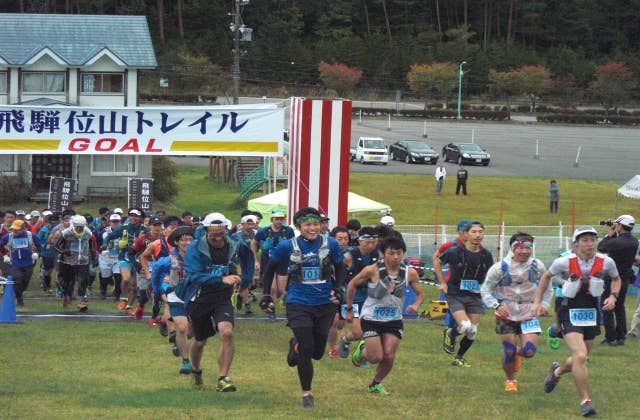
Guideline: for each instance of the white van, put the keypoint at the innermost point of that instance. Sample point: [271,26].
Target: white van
[370,150]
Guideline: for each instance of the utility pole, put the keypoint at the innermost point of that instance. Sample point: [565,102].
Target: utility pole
[240,33]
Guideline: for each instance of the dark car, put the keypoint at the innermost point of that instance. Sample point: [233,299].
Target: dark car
[468,153]
[413,151]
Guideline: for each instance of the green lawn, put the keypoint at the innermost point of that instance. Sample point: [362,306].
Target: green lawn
[82,369]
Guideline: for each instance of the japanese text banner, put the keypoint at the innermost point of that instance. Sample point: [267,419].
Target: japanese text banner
[215,131]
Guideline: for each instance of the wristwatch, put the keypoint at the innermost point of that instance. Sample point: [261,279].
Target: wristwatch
[497,305]
[349,308]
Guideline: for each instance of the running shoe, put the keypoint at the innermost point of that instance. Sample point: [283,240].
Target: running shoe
[517,363]
[139,311]
[378,389]
[551,380]
[307,401]
[197,378]
[130,311]
[510,386]
[164,330]
[356,356]
[460,362]
[186,367]
[82,306]
[343,348]
[587,409]
[175,350]
[122,305]
[333,354]
[153,322]
[225,385]
[448,344]
[292,356]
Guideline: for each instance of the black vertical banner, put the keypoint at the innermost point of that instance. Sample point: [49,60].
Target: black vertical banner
[60,192]
[140,193]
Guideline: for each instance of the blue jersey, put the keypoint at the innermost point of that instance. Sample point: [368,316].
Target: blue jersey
[310,280]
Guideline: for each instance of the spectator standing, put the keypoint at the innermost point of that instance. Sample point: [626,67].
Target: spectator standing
[554,196]
[622,247]
[441,174]
[462,175]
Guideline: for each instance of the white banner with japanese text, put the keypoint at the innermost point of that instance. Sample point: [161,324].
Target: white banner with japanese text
[233,130]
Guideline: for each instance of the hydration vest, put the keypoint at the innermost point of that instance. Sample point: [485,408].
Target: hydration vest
[296,261]
[506,280]
[381,288]
[575,272]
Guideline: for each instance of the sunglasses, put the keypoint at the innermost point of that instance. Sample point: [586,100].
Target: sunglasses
[522,245]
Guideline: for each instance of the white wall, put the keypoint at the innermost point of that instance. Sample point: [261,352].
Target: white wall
[132,87]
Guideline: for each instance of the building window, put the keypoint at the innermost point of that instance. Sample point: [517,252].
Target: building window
[8,164]
[110,164]
[102,83]
[3,82]
[43,82]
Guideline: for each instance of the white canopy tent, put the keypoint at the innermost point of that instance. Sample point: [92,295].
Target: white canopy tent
[630,189]
[280,199]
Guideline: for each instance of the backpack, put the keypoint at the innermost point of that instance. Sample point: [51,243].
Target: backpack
[29,238]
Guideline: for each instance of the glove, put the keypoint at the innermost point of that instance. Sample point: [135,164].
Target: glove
[34,257]
[6,259]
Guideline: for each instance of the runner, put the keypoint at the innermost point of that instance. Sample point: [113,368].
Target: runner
[246,232]
[108,259]
[313,294]
[167,273]
[356,260]
[341,235]
[510,289]
[210,268]
[381,315]
[468,265]
[583,272]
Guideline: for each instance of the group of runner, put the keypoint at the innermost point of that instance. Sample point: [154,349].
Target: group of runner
[202,270]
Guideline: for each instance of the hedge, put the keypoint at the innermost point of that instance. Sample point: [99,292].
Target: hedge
[469,114]
[588,119]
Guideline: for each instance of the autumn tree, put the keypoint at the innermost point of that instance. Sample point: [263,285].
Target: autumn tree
[613,85]
[438,79]
[339,77]
[534,82]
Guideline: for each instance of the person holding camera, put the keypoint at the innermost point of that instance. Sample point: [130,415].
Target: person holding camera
[622,247]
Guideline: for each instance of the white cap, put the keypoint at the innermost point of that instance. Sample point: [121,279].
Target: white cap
[249,218]
[214,219]
[387,220]
[135,211]
[35,213]
[118,210]
[229,224]
[581,230]
[78,220]
[47,213]
[20,213]
[626,220]
[115,216]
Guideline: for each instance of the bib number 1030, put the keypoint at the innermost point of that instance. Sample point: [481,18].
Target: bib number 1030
[583,317]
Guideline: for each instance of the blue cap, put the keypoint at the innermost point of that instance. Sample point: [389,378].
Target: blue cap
[462,224]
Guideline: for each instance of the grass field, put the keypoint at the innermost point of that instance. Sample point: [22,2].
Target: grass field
[84,369]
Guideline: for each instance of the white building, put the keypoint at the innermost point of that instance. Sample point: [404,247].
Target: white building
[82,60]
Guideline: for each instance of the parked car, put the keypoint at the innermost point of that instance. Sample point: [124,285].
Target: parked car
[370,150]
[413,151]
[469,153]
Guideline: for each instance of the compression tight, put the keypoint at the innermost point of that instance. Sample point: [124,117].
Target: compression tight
[310,346]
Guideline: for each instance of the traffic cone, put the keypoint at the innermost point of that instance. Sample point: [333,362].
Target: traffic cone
[8,310]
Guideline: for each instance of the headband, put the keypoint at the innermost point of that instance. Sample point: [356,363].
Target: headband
[312,218]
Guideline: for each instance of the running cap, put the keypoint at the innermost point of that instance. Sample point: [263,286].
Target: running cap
[47,213]
[462,225]
[249,218]
[387,220]
[277,213]
[581,230]
[324,217]
[17,224]
[626,220]
[78,221]
[115,216]
[214,219]
[118,210]
[155,220]
[135,211]
[20,213]
[35,213]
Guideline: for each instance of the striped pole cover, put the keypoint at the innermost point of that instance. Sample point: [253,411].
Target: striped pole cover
[320,137]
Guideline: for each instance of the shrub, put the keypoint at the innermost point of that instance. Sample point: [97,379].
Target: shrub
[164,173]
[15,187]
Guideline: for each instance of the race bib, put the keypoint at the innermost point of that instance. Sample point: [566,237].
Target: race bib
[583,317]
[20,243]
[470,285]
[151,264]
[311,275]
[384,312]
[530,326]
[356,311]
[218,270]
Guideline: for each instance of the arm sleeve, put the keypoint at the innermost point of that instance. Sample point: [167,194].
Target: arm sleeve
[160,269]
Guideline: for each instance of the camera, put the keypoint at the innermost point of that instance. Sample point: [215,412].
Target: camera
[606,222]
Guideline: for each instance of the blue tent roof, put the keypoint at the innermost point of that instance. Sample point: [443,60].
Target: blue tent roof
[76,39]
